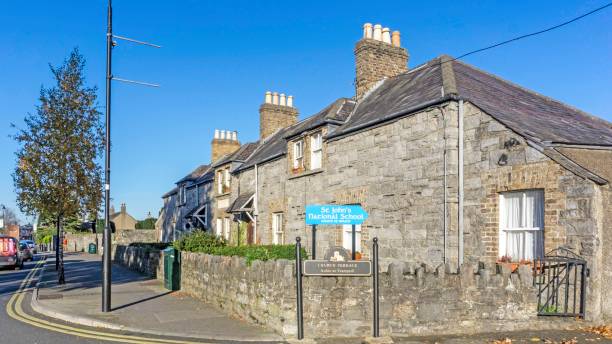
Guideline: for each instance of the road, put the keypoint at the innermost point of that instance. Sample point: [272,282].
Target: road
[13,331]
[20,324]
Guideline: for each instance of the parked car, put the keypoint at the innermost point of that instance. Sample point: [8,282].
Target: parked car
[10,254]
[26,252]
[31,245]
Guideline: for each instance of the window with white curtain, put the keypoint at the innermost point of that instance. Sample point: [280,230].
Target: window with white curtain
[298,154]
[521,225]
[277,229]
[220,182]
[219,228]
[316,150]
[347,237]
[226,228]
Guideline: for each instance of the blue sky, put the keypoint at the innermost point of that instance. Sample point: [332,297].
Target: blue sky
[218,59]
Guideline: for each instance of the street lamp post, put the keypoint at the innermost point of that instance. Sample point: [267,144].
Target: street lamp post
[106,239]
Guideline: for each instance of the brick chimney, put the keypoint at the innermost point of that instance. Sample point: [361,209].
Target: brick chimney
[224,142]
[378,55]
[275,113]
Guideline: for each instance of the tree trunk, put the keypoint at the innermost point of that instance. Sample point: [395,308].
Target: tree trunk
[57,244]
[60,277]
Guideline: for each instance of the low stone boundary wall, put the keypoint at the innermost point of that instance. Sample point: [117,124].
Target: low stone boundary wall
[146,261]
[79,242]
[412,300]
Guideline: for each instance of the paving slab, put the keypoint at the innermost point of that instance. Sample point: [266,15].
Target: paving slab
[139,304]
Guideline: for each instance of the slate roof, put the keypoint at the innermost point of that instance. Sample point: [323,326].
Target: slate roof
[239,155]
[531,115]
[170,193]
[206,177]
[275,145]
[195,174]
[272,147]
[335,112]
[240,202]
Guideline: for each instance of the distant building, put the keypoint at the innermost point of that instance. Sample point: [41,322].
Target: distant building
[123,220]
[12,230]
[26,232]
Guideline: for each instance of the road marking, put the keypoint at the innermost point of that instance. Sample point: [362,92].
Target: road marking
[15,310]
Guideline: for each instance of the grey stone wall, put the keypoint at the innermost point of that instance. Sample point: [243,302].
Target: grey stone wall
[272,191]
[79,242]
[126,237]
[414,300]
[149,262]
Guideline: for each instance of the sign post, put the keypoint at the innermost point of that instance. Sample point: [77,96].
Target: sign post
[298,287]
[337,261]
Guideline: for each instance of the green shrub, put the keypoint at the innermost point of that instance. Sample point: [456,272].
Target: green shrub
[198,242]
[211,244]
[146,224]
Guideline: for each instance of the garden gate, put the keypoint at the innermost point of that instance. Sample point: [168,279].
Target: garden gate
[561,281]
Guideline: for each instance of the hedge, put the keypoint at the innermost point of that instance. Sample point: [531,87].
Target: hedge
[210,244]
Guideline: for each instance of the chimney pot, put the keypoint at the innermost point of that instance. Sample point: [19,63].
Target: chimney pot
[235,135]
[290,101]
[216,134]
[268,99]
[378,32]
[222,137]
[275,98]
[386,37]
[283,100]
[395,39]
[367,30]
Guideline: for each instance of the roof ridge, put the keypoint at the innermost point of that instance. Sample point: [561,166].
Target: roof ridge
[449,84]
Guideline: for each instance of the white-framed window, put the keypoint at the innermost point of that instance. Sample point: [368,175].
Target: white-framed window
[316,151]
[226,228]
[521,225]
[182,195]
[219,228]
[219,182]
[278,237]
[347,237]
[227,178]
[298,154]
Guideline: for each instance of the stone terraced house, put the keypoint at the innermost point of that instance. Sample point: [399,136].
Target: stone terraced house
[454,165]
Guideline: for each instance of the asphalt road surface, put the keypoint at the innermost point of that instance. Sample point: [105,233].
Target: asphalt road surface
[20,324]
[13,331]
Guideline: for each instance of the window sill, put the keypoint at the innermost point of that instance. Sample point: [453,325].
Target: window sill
[306,173]
[224,194]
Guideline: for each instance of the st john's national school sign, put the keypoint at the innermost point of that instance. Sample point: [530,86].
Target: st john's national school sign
[331,214]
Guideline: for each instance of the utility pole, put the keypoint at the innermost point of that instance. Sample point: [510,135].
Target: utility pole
[106,239]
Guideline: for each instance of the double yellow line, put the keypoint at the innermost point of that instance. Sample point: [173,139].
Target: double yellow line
[15,310]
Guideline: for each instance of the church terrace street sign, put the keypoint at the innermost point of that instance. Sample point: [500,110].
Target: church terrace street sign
[331,214]
[339,268]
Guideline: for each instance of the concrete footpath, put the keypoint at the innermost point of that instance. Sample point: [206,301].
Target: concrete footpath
[139,304]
